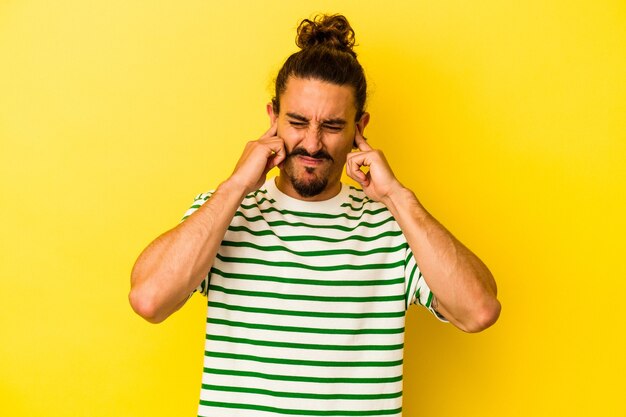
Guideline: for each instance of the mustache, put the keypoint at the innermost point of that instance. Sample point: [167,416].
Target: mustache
[321,154]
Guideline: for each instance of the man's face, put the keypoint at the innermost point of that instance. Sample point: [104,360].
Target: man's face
[316,121]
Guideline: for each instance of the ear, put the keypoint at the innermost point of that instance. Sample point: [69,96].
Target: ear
[270,113]
[363,121]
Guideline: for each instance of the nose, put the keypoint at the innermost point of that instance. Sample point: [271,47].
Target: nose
[312,140]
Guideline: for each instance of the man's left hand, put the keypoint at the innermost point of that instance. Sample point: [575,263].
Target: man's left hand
[378,181]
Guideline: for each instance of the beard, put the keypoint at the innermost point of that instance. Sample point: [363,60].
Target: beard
[313,180]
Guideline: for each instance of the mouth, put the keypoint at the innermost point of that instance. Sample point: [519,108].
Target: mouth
[310,161]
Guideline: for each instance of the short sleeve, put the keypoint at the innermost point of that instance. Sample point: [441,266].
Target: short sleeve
[417,290]
[197,203]
[200,199]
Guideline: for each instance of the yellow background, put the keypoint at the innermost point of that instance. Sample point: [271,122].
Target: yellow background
[508,119]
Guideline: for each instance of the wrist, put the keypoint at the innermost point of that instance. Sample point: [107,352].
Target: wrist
[233,188]
[400,199]
[396,195]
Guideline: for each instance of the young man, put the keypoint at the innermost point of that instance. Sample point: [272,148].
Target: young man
[308,279]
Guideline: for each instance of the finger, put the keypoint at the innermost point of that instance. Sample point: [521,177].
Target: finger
[353,168]
[279,153]
[361,159]
[271,132]
[275,150]
[361,142]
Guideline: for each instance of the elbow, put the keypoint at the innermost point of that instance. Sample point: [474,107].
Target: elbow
[484,317]
[145,306]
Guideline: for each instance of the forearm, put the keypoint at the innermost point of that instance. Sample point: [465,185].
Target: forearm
[175,263]
[463,286]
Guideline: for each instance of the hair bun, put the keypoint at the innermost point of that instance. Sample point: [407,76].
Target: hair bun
[332,31]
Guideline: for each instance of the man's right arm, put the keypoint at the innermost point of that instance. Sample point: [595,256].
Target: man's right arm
[175,263]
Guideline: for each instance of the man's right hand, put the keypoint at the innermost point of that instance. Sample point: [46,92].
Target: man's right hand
[258,158]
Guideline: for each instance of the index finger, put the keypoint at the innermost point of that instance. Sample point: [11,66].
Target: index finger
[272,131]
[361,142]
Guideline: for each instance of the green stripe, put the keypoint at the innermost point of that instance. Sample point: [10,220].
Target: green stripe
[408,293]
[308,346]
[308,281]
[296,329]
[409,256]
[300,412]
[309,267]
[363,201]
[256,193]
[306,395]
[299,378]
[257,203]
[357,199]
[302,362]
[271,232]
[332,252]
[411,276]
[355,209]
[315,226]
[307,297]
[430,299]
[320,215]
[204,196]
[321,314]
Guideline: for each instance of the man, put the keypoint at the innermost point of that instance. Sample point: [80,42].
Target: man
[307,279]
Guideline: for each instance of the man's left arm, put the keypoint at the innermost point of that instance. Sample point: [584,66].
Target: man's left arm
[463,287]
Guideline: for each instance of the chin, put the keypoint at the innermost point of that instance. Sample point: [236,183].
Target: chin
[310,188]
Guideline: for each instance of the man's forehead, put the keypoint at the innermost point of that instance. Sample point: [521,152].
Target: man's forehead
[312,98]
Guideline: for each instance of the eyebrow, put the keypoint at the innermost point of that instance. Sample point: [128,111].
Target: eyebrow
[332,121]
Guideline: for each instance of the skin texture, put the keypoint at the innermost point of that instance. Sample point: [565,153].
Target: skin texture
[316,126]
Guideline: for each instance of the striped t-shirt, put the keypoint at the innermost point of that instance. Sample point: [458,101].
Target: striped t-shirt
[306,308]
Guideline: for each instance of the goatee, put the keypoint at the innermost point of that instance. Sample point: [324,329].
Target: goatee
[310,187]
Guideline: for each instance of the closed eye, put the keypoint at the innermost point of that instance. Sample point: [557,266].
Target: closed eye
[333,128]
[297,124]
